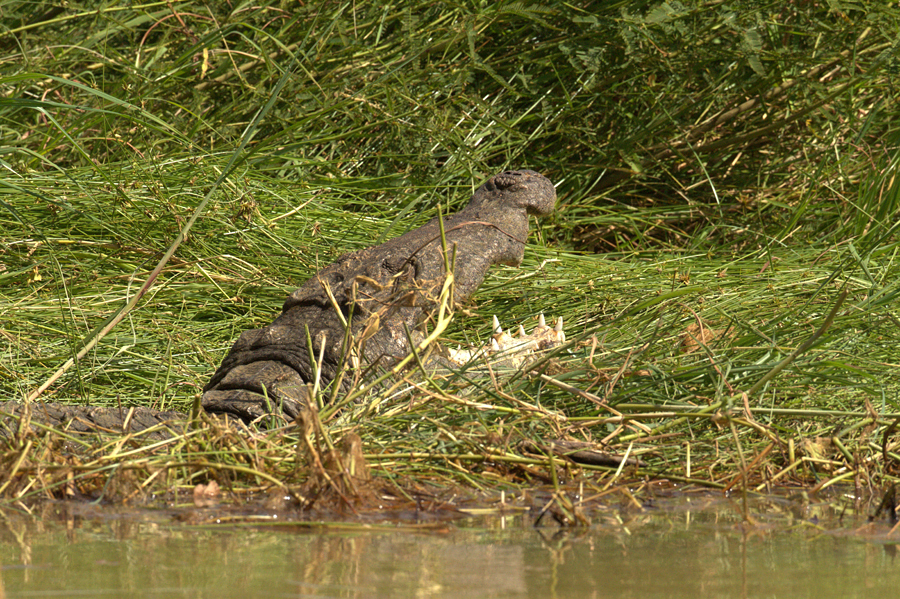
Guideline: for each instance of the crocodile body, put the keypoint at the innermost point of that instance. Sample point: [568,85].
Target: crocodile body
[381,293]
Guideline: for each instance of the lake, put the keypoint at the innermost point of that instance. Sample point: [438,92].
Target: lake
[680,546]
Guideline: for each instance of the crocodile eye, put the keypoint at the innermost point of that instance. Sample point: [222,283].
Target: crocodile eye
[394,264]
[390,266]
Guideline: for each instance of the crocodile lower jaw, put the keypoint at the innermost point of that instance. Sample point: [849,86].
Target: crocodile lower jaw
[258,389]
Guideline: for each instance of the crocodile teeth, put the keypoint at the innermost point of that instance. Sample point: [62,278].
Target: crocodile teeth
[461,356]
[502,340]
[560,335]
[514,350]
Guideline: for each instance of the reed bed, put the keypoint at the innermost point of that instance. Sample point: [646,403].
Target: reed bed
[724,251]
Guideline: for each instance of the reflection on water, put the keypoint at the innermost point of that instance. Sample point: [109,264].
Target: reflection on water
[698,549]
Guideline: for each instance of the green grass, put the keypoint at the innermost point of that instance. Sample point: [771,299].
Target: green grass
[721,164]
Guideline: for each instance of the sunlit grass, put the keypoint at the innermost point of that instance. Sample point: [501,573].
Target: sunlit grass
[716,173]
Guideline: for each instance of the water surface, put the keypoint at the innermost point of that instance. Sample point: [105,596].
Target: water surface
[685,548]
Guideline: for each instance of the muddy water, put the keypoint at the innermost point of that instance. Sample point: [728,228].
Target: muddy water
[686,548]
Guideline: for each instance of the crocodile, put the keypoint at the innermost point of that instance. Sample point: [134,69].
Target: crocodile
[356,314]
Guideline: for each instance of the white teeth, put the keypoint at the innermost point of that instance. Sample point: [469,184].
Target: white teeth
[560,335]
[513,351]
[460,356]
